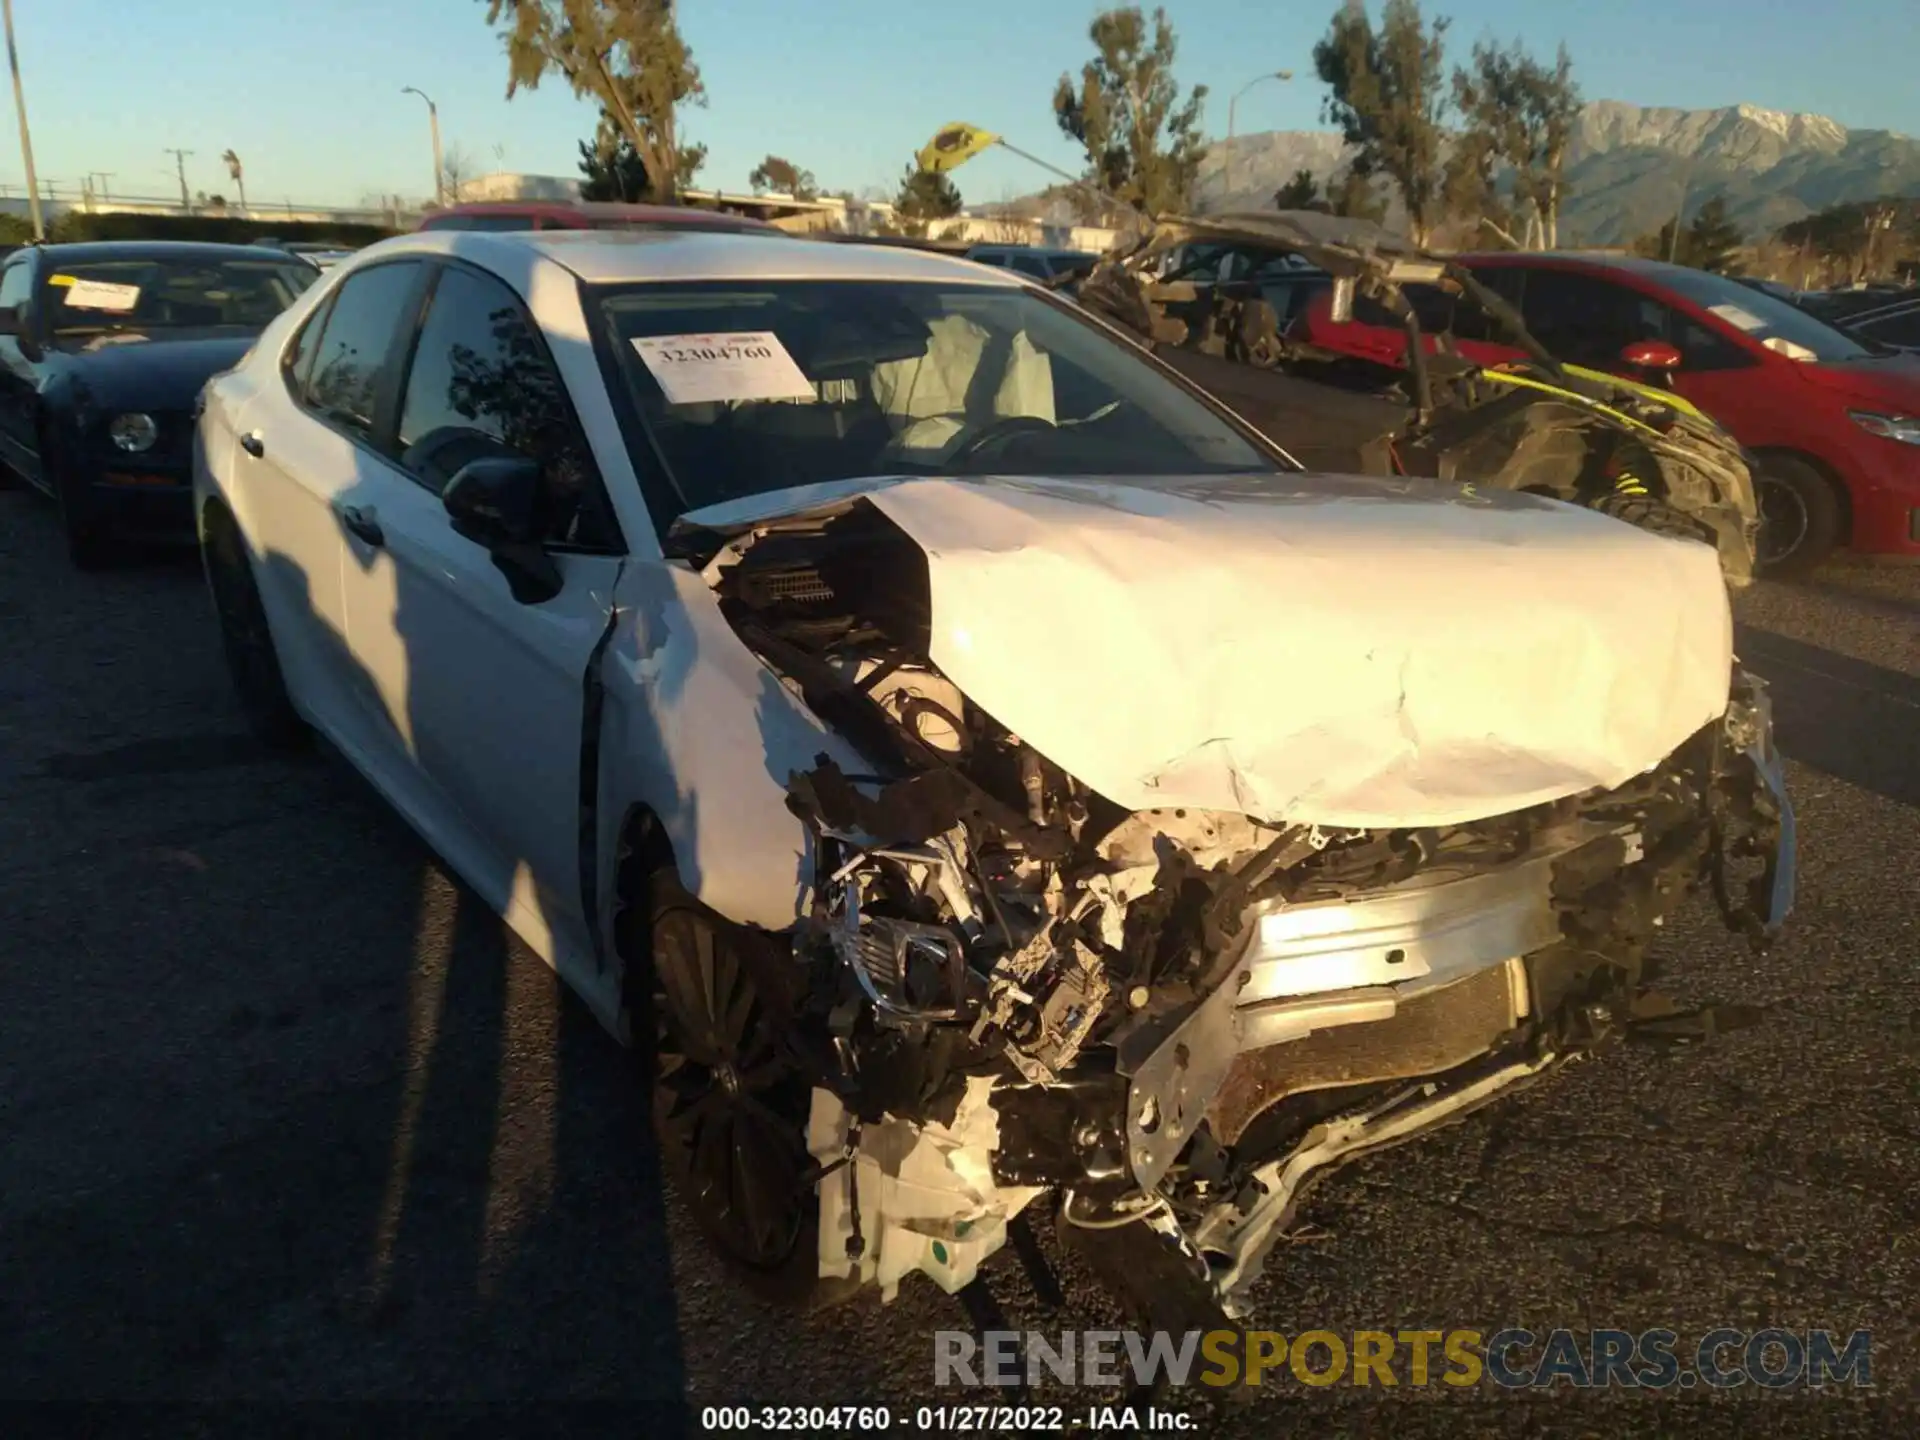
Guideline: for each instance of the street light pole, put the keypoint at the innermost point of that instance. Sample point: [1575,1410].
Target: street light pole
[433,123]
[26,140]
[1226,167]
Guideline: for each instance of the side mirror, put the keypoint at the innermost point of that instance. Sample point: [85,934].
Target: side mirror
[495,503]
[1651,355]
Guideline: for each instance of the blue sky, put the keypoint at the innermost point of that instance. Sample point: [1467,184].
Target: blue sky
[310,94]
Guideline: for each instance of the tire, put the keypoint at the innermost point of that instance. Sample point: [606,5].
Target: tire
[729,1102]
[89,546]
[252,660]
[1800,517]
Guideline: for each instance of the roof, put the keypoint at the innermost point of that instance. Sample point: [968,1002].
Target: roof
[685,215]
[611,257]
[1599,260]
[79,252]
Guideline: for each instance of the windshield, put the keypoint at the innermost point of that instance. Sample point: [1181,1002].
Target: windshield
[747,388]
[172,294]
[1764,317]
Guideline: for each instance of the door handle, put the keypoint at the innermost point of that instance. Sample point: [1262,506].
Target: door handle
[360,521]
[253,444]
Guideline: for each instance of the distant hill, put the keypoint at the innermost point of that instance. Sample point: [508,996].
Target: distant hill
[1627,166]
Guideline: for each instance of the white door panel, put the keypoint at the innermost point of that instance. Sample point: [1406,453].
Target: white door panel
[283,496]
[480,694]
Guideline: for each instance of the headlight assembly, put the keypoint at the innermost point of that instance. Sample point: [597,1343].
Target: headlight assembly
[1904,428]
[133,432]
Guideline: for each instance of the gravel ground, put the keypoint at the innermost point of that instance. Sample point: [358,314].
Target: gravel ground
[288,1120]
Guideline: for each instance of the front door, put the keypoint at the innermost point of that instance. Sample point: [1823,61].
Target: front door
[480,694]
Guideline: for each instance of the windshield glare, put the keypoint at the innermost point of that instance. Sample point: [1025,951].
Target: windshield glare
[172,294]
[1763,316]
[749,388]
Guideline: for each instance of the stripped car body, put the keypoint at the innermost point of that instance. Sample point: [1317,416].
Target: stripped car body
[1634,451]
[1173,937]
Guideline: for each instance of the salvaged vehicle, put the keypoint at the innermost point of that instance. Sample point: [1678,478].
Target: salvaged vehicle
[976,770]
[1220,299]
[103,349]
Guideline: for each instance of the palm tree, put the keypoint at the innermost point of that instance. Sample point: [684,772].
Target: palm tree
[234,169]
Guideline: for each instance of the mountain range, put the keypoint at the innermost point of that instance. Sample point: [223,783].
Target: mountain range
[1629,166]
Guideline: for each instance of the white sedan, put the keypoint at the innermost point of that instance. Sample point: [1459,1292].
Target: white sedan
[972,763]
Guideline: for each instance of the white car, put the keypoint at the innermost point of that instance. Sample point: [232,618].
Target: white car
[972,763]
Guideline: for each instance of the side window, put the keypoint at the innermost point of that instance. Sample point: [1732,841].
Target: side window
[16,284]
[1902,328]
[1703,349]
[352,365]
[297,364]
[1587,320]
[1032,266]
[481,385]
[1471,322]
[1432,307]
[991,257]
[1369,311]
[1509,282]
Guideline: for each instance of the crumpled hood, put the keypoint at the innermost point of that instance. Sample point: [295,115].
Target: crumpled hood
[1307,649]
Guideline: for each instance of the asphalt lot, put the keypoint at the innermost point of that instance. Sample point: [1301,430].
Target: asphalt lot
[286,1117]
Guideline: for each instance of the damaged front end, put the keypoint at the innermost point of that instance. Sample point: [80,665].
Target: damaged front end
[1173,1019]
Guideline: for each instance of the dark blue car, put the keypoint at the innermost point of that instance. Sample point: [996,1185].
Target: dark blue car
[103,350]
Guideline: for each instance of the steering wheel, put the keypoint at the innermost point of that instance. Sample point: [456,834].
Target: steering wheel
[995,431]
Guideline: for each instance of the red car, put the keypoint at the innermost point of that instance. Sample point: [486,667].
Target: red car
[1832,422]
[588,215]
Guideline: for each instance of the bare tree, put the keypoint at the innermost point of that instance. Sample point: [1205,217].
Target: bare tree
[456,171]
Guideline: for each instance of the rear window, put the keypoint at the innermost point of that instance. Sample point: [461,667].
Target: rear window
[480,222]
[1899,328]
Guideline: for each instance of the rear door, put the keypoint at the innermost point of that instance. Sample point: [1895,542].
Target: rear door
[304,456]
[479,696]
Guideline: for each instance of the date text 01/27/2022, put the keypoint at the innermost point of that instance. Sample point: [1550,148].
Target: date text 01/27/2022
[940,1419]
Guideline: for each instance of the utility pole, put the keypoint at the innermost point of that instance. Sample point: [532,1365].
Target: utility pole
[26,140]
[180,165]
[100,189]
[433,123]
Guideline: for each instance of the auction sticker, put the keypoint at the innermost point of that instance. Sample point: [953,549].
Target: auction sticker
[101,295]
[736,365]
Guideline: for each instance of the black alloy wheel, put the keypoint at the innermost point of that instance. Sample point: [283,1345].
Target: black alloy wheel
[730,1102]
[1800,520]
